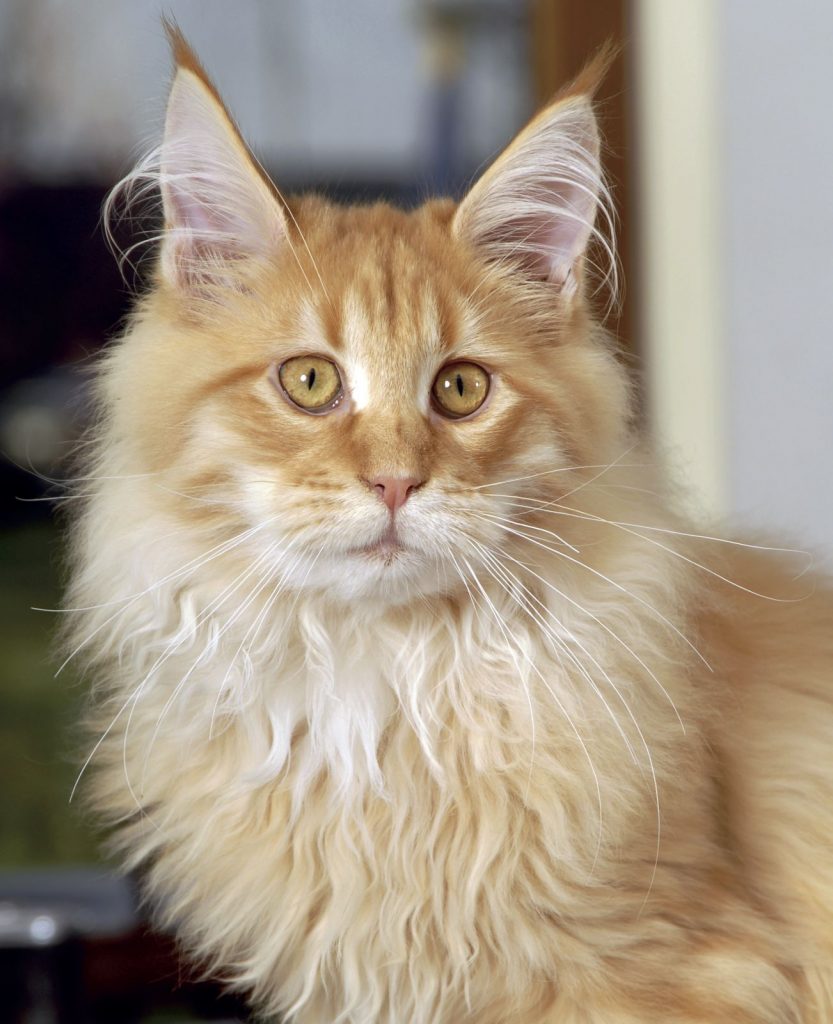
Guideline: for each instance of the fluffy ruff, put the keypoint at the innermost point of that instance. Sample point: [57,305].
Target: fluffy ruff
[483,806]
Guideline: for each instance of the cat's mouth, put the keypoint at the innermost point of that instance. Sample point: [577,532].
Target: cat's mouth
[388,547]
[387,550]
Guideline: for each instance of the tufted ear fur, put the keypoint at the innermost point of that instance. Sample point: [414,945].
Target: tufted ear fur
[219,206]
[536,206]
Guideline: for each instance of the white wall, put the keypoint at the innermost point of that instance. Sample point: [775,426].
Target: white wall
[679,238]
[736,190]
[777,83]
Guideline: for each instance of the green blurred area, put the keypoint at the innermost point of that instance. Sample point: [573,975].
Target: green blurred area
[39,745]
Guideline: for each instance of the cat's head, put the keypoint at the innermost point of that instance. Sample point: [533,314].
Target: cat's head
[370,391]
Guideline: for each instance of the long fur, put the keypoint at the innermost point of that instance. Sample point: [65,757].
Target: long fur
[562,759]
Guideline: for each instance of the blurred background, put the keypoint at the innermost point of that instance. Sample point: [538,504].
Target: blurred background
[720,152]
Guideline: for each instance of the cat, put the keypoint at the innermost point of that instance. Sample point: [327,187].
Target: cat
[414,701]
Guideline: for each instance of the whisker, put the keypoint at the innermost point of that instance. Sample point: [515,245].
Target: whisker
[261,584]
[259,620]
[52,498]
[617,462]
[540,529]
[184,530]
[136,693]
[564,647]
[532,723]
[591,517]
[55,481]
[176,643]
[628,745]
[618,586]
[539,504]
[555,697]
[127,602]
[600,622]
[564,469]
[224,502]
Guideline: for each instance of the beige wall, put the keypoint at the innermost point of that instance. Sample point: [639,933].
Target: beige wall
[684,344]
[737,233]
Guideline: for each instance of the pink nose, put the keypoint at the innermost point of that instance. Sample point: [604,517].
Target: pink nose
[395,490]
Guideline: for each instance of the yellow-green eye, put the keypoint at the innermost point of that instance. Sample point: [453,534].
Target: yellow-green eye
[459,389]
[311,382]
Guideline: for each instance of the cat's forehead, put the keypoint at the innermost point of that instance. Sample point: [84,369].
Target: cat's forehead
[389,308]
[389,342]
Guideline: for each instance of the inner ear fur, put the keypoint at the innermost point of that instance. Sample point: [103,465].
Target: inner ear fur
[535,208]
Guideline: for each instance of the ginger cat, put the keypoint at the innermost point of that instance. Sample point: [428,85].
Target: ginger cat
[414,701]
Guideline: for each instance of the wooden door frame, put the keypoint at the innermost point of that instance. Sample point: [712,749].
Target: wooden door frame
[565,34]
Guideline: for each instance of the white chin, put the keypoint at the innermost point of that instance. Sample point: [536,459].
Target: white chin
[392,574]
[389,572]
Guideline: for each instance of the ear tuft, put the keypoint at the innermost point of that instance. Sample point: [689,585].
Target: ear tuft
[589,80]
[536,206]
[181,50]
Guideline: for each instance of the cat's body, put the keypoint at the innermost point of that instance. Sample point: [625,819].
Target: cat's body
[516,748]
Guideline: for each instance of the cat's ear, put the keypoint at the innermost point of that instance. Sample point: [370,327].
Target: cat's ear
[219,206]
[535,208]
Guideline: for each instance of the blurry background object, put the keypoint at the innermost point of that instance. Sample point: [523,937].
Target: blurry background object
[719,148]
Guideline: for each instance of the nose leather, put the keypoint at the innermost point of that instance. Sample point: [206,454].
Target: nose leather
[394,491]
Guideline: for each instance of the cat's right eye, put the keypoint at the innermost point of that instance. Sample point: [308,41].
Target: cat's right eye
[313,383]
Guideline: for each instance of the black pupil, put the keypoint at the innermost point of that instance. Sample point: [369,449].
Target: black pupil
[460,385]
[311,380]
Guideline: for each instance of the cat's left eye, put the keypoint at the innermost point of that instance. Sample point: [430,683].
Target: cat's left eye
[460,389]
[313,383]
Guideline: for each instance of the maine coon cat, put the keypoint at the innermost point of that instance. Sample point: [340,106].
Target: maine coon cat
[414,703]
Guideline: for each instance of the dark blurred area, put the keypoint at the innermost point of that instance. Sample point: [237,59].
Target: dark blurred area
[394,101]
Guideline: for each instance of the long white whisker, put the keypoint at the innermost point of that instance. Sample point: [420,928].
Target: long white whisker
[563,469]
[532,723]
[262,582]
[604,626]
[198,560]
[628,745]
[607,579]
[618,727]
[176,643]
[563,647]
[197,499]
[555,697]
[617,462]
[541,505]
[127,602]
[539,529]
[591,517]
[260,619]
[136,693]
[52,499]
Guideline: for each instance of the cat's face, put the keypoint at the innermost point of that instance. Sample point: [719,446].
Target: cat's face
[369,391]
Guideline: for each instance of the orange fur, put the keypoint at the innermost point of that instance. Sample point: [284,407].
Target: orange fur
[552,762]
